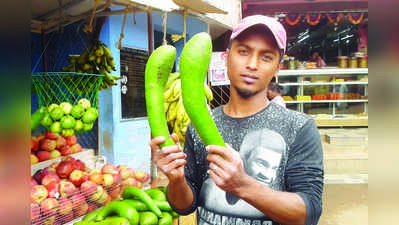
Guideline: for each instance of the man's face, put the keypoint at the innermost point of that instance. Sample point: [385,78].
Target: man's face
[263,164]
[251,64]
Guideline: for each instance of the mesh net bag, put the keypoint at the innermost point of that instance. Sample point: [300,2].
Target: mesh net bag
[58,87]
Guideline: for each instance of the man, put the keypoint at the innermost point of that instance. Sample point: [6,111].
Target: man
[215,180]
[274,94]
[317,59]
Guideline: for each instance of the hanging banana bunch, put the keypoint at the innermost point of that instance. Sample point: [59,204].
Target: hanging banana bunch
[176,116]
[95,59]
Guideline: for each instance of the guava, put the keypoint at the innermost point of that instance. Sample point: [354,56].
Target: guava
[77,111]
[52,106]
[78,125]
[87,126]
[66,107]
[55,127]
[46,121]
[84,103]
[56,113]
[67,132]
[89,116]
[68,122]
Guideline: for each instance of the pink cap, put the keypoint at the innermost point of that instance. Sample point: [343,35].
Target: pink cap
[274,26]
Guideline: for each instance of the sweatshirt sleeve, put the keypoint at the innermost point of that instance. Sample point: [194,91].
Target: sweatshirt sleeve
[191,172]
[304,172]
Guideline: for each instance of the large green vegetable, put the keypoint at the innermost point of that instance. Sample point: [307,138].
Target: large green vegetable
[131,192]
[157,70]
[141,206]
[148,218]
[120,209]
[194,62]
[166,219]
[36,117]
[108,221]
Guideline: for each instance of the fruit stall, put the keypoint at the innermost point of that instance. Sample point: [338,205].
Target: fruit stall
[89,126]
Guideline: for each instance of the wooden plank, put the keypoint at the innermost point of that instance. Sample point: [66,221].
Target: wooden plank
[188,220]
[87,156]
[342,123]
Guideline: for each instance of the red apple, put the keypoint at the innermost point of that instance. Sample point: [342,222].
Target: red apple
[49,171]
[109,169]
[50,178]
[40,137]
[34,144]
[103,198]
[77,200]
[67,188]
[81,210]
[97,178]
[88,188]
[33,182]
[79,165]
[51,135]
[77,177]
[115,193]
[38,176]
[68,217]
[66,152]
[142,176]
[117,179]
[94,171]
[92,207]
[140,185]
[34,211]
[60,141]
[97,194]
[38,193]
[121,167]
[76,148]
[55,154]
[65,206]
[126,173]
[71,140]
[108,180]
[49,206]
[130,182]
[33,159]
[43,155]
[53,189]
[48,145]
[64,169]
[53,165]
[109,199]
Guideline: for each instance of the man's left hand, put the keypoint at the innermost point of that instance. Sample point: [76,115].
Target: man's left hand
[226,168]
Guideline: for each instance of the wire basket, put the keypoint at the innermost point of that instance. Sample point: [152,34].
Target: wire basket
[58,87]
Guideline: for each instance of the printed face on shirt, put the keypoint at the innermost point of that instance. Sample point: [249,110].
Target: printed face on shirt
[261,152]
[263,164]
[252,62]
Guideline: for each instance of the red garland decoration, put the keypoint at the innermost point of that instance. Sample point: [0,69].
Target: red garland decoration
[354,20]
[311,21]
[294,22]
[335,20]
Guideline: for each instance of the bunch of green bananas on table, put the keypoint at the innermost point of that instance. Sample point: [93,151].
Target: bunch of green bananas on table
[95,59]
[176,116]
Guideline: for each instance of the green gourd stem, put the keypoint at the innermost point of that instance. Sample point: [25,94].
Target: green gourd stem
[194,63]
[158,68]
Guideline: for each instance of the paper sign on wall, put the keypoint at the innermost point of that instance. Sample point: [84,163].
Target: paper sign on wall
[217,69]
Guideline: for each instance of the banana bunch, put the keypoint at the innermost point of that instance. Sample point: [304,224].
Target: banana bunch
[176,116]
[95,59]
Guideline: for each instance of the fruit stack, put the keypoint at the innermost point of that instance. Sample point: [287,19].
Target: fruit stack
[176,116]
[51,146]
[95,59]
[67,119]
[69,189]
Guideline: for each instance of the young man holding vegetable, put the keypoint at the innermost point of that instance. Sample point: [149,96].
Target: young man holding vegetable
[215,180]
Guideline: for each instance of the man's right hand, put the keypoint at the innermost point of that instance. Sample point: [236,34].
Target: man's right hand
[170,159]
